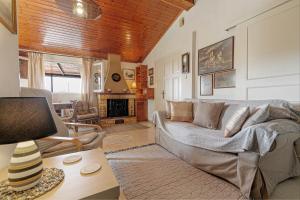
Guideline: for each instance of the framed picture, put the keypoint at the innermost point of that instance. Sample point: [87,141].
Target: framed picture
[151,80]
[151,72]
[129,74]
[225,79]
[206,85]
[185,62]
[216,57]
[8,15]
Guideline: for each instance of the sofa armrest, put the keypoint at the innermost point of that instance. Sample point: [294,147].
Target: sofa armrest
[73,140]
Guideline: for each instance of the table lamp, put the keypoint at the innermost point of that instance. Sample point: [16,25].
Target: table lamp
[22,120]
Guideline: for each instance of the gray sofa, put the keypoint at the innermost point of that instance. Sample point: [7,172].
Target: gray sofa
[249,160]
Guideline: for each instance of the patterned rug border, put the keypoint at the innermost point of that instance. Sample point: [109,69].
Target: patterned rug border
[130,148]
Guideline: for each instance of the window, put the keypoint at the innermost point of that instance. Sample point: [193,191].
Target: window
[63,84]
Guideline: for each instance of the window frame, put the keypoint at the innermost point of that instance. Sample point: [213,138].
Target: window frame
[58,75]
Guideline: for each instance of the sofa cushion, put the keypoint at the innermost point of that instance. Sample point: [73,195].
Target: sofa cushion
[208,114]
[277,112]
[236,121]
[182,111]
[260,115]
[188,133]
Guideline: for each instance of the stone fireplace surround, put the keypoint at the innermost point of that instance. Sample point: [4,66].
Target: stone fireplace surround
[102,98]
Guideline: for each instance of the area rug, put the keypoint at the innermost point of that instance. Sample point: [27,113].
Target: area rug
[124,127]
[152,173]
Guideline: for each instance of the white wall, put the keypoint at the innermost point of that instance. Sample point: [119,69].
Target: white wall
[9,78]
[210,18]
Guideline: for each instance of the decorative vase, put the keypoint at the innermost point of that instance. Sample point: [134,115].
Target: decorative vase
[26,166]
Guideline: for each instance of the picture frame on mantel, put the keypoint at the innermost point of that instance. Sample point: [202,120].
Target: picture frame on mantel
[216,57]
[206,85]
[8,15]
[185,63]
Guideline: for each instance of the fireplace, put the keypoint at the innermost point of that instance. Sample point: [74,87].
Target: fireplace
[117,107]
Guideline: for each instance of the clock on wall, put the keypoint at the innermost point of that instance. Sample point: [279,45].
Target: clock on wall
[116,77]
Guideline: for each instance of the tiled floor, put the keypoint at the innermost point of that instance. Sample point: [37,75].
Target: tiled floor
[126,139]
[289,189]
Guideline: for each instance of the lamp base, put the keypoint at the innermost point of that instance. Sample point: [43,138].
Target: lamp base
[26,166]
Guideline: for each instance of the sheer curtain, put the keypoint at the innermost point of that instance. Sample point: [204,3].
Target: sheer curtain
[36,71]
[87,93]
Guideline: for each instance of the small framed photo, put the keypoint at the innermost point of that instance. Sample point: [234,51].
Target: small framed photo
[151,80]
[185,61]
[225,79]
[8,14]
[151,72]
[129,74]
[206,85]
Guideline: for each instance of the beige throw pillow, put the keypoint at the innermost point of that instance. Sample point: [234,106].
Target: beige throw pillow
[182,111]
[261,115]
[208,114]
[236,122]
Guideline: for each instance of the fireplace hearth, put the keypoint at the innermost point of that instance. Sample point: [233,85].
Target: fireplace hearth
[117,107]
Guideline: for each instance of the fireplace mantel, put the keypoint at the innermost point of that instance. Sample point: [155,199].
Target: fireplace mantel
[112,93]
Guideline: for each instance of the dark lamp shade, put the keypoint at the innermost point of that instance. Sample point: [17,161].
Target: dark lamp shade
[25,118]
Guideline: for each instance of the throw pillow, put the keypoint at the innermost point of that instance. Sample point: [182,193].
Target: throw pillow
[182,111]
[236,122]
[282,113]
[261,115]
[208,114]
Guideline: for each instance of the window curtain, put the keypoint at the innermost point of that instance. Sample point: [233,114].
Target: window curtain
[87,91]
[36,71]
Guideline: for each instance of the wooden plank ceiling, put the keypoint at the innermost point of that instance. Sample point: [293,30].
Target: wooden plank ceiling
[130,28]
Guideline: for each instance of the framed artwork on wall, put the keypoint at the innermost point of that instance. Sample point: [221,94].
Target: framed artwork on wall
[224,79]
[8,15]
[151,80]
[129,74]
[216,57]
[151,72]
[185,62]
[206,85]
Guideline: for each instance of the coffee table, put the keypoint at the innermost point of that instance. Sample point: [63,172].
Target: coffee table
[99,185]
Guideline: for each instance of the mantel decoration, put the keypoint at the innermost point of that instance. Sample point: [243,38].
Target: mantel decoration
[22,120]
[8,14]
[116,77]
[86,9]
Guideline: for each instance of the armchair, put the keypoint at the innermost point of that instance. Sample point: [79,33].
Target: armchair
[84,113]
[63,141]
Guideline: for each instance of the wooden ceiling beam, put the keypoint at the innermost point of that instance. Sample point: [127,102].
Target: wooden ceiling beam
[181,4]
